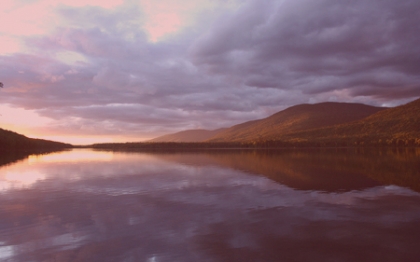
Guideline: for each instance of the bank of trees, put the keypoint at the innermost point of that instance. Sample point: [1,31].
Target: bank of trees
[350,142]
[13,141]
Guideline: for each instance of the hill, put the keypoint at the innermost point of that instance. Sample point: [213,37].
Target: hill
[194,135]
[324,124]
[294,119]
[394,126]
[13,141]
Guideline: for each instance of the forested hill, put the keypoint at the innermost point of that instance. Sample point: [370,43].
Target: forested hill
[296,118]
[325,124]
[13,141]
[394,126]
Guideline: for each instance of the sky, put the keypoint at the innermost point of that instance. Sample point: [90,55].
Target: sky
[82,71]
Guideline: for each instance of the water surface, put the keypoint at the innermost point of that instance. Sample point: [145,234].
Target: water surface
[232,205]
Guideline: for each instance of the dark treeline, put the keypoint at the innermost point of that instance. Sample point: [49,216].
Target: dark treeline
[13,141]
[360,142]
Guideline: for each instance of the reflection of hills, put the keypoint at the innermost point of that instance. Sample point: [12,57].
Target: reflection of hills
[68,219]
[13,156]
[325,170]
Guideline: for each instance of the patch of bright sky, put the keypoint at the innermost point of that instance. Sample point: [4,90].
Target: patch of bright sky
[71,58]
[21,120]
[9,45]
[31,124]
[165,17]
[20,18]
[77,140]
[107,4]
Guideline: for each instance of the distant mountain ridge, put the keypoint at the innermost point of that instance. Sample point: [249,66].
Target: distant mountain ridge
[193,135]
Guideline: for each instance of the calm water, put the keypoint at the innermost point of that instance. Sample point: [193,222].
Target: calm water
[319,205]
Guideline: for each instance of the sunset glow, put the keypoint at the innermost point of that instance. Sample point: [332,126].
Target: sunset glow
[21,120]
[132,70]
[31,170]
[219,130]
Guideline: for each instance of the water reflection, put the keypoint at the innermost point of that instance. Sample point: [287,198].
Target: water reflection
[211,206]
[81,155]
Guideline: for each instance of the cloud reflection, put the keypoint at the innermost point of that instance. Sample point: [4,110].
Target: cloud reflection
[141,207]
[71,156]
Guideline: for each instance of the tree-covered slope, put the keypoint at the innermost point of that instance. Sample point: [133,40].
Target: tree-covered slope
[398,125]
[13,141]
[294,119]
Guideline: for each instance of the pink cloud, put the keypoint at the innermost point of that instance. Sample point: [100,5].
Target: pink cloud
[92,68]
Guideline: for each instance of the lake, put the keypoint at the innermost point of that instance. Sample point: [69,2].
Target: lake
[214,205]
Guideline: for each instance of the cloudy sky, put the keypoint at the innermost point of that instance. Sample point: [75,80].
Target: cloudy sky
[128,70]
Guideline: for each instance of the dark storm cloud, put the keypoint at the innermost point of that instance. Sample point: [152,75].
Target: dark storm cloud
[318,46]
[263,57]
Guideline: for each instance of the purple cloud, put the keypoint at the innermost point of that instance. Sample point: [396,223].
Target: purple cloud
[317,47]
[245,64]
